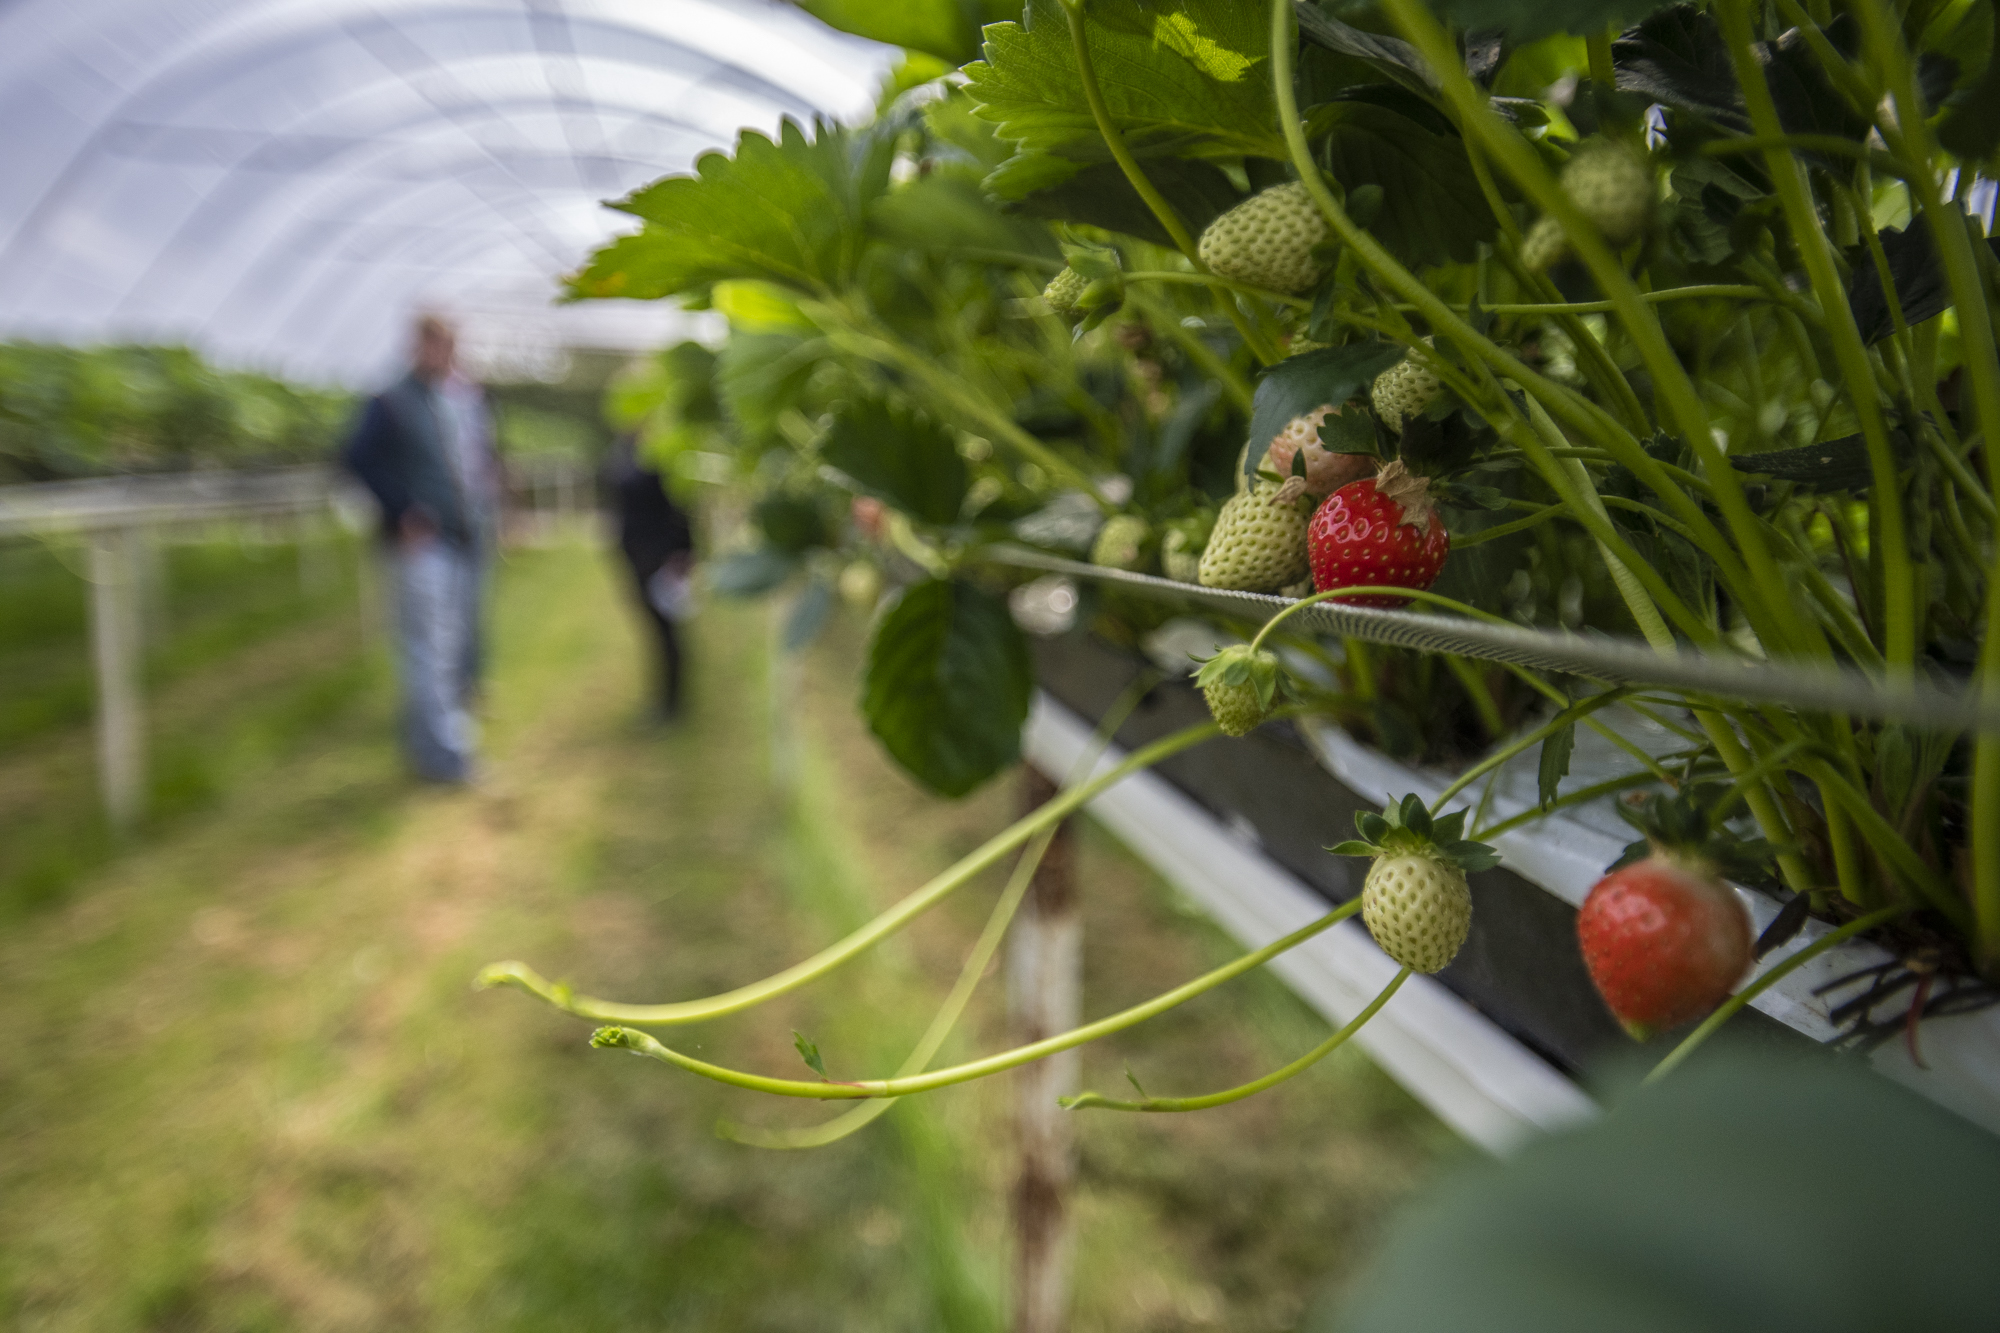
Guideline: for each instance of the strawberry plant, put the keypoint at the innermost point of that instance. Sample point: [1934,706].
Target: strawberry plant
[1674,325]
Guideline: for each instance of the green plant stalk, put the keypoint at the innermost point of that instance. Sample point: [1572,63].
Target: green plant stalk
[641,1043]
[933,1039]
[1475,689]
[1199,352]
[1768,605]
[1730,1007]
[523,977]
[1155,202]
[974,968]
[1982,370]
[1218,281]
[1569,716]
[1899,631]
[1534,520]
[1579,412]
[1886,841]
[1756,795]
[1092,1100]
[1579,797]
[1717,290]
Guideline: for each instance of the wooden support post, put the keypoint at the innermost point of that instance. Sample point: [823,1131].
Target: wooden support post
[115,631]
[1044,995]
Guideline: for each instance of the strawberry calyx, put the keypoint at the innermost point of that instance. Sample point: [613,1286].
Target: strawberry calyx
[1411,493]
[1240,664]
[1684,829]
[1406,828]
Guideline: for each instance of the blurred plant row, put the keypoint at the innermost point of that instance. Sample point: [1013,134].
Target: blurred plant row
[79,412]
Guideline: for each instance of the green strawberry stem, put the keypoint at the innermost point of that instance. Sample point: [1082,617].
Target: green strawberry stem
[1218,281]
[523,977]
[1156,203]
[1729,1007]
[969,975]
[640,1043]
[1575,713]
[1092,1100]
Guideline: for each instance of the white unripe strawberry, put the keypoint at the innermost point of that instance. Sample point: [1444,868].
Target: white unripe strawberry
[1612,185]
[1544,245]
[1403,391]
[1418,910]
[1415,900]
[1121,542]
[1259,542]
[1267,240]
[1064,290]
[1240,687]
[1325,470]
[1180,555]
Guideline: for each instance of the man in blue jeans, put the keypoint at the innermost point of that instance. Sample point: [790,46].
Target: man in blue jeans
[407,450]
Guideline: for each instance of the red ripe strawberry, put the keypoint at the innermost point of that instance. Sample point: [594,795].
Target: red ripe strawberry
[1664,938]
[1380,531]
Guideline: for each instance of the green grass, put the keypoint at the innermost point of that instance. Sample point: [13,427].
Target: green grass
[245,660]
[244,1086]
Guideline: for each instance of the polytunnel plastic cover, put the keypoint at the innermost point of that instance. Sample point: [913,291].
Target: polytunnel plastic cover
[282,183]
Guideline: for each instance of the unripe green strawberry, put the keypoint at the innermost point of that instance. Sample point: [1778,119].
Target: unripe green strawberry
[1240,687]
[1121,542]
[1259,542]
[1267,240]
[1544,245]
[1415,898]
[1064,290]
[1612,185]
[1403,391]
[1180,549]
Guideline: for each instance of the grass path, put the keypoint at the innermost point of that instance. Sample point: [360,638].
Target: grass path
[243,1084]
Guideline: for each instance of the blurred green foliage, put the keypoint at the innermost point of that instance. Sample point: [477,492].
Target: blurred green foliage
[77,412]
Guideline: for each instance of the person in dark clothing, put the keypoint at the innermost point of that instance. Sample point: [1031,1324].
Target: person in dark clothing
[407,449]
[657,540]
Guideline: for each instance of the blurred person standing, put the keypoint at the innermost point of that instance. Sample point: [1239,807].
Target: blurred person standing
[476,461]
[657,540]
[406,451]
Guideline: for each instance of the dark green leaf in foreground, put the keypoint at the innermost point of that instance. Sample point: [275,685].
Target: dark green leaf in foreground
[788,211]
[947,212]
[748,573]
[901,457]
[948,685]
[1300,384]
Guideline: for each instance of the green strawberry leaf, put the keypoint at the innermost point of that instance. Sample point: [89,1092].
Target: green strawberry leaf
[748,573]
[947,29]
[1300,384]
[1372,826]
[1354,848]
[788,211]
[1525,20]
[1472,856]
[947,212]
[1555,763]
[948,684]
[1415,817]
[901,457]
[1427,216]
[809,1053]
[1181,78]
[1097,194]
[1451,828]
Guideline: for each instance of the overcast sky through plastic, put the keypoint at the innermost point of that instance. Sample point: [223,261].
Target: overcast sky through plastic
[282,183]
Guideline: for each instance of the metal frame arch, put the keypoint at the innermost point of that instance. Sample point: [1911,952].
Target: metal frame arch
[222,200]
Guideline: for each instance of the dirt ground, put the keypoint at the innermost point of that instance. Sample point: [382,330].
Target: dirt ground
[244,1083]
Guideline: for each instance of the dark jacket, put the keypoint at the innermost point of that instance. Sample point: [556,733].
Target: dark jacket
[651,527]
[397,450]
